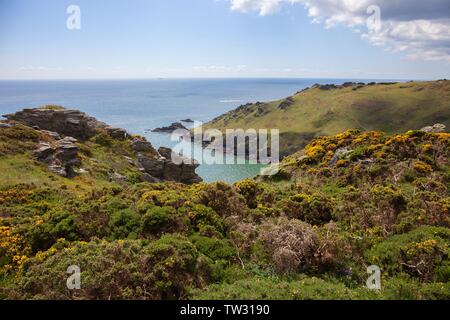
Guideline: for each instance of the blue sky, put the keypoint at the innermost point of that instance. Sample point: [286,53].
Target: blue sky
[215,38]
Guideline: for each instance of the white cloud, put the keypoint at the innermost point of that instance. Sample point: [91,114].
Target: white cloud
[264,7]
[421,29]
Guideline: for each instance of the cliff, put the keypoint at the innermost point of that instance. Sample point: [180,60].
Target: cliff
[63,133]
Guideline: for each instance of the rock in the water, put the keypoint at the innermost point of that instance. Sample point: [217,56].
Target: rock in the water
[65,122]
[187,120]
[437,128]
[173,127]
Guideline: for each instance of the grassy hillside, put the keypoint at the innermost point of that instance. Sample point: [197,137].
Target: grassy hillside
[327,110]
[309,233]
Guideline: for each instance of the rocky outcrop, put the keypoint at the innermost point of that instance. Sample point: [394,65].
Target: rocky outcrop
[141,145]
[59,151]
[188,120]
[173,127]
[60,156]
[286,103]
[164,168]
[341,152]
[66,122]
[325,86]
[437,128]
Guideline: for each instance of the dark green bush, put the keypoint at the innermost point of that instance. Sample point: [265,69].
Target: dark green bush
[124,269]
[159,219]
[124,224]
[423,253]
[216,249]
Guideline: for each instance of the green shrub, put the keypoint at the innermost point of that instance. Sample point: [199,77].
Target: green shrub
[60,225]
[203,218]
[423,253]
[261,288]
[213,248]
[103,138]
[123,269]
[159,219]
[17,139]
[315,209]
[249,189]
[124,224]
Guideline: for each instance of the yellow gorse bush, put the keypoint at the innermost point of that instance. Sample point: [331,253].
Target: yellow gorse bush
[12,250]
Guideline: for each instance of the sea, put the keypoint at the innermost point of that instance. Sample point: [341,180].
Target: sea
[141,105]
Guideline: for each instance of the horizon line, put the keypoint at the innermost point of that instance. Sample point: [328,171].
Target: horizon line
[220,78]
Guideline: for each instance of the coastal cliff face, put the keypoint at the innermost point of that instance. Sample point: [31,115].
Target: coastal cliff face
[62,132]
[66,122]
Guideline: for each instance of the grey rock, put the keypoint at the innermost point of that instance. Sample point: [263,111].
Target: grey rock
[59,170]
[4,125]
[60,157]
[165,152]
[145,177]
[437,128]
[152,166]
[65,122]
[169,129]
[54,135]
[188,174]
[68,140]
[117,177]
[141,145]
[163,168]
[44,152]
[338,154]
[286,103]
[117,133]
[130,160]
[172,171]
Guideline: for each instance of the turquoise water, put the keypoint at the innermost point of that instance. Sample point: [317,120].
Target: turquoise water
[138,105]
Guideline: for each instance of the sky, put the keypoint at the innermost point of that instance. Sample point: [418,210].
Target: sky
[118,39]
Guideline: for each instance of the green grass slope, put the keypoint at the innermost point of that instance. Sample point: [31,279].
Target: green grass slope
[322,110]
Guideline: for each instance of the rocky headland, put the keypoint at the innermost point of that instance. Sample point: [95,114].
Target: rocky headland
[61,132]
[169,129]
